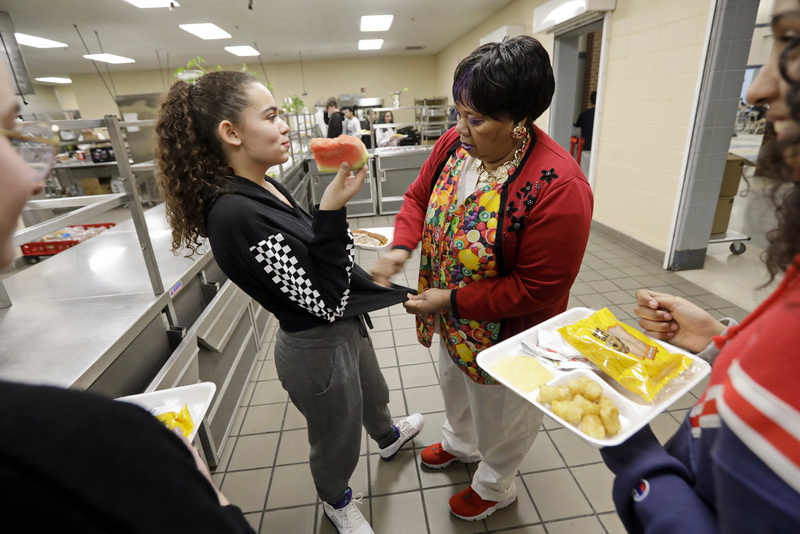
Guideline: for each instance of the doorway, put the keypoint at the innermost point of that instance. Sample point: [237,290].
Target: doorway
[577,69]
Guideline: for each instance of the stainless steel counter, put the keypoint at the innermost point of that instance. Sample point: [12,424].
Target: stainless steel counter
[72,311]
[75,314]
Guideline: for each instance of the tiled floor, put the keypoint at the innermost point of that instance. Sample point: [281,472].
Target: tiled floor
[564,486]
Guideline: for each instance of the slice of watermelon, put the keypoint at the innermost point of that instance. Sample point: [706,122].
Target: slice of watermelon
[330,153]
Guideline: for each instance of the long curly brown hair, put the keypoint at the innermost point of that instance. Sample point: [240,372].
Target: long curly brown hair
[192,167]
[781,160]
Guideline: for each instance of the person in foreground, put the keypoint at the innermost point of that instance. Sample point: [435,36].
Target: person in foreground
[734,464]
[503,213]
[77,462]
[216,140]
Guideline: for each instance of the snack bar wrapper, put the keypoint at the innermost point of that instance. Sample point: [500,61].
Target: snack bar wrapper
[180,419]
[639,364]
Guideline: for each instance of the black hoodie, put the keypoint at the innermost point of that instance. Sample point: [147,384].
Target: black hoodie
[300,268]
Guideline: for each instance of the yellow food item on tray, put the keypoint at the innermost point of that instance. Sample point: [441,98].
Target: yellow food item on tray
[596,418]
[639,364]
[181,420]
[526,373]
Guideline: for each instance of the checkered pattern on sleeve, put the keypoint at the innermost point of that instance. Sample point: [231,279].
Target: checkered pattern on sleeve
[279,261]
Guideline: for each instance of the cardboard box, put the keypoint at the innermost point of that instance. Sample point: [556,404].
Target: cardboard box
[93,186]
[734,166]
[723,215]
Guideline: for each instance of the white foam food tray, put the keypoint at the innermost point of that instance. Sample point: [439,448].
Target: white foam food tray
[385,231]
[634,411]
[196,396]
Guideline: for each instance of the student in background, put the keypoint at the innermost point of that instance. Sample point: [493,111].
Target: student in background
[585,122]
[387,136]
[333,118]
[351,123]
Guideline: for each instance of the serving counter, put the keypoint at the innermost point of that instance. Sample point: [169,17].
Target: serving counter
[88,318]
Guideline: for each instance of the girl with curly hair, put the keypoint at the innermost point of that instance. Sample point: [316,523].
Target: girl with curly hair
[216,138]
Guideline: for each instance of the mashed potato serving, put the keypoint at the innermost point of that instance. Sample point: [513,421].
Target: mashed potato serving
[525,373]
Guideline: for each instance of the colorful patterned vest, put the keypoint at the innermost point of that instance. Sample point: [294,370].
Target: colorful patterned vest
[458,248]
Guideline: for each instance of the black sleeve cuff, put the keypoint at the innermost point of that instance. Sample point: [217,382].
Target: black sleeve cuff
[329,221]
[401,247]
[453,306]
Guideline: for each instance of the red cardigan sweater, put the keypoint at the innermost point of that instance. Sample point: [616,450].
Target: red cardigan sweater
[541,246]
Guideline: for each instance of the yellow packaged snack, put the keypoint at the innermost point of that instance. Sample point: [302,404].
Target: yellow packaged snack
[639,364]
[181,420]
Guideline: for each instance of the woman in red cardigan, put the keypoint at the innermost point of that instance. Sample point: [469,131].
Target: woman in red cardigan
[503,215]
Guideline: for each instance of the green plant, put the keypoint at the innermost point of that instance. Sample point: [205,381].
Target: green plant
[196,67]
[293,104]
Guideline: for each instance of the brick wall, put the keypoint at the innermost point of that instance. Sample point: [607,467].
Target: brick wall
[591,66]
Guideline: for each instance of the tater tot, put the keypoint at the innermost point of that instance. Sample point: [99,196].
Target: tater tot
[586,405]
[549,394]
[592,391]
[609,414]
[592,426]
[577,385]
[569,412]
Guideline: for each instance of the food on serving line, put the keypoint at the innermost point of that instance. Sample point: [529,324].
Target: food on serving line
[638,363]
[181,419]
[581,402]
[525,373]
[330,153]
[360,237]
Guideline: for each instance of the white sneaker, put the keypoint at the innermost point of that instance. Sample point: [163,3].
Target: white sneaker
[348,520]
[409,427]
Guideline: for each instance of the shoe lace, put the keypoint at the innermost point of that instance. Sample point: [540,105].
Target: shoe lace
[405,428]
[352,518]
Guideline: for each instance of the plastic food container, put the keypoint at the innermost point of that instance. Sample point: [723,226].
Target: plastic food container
[634,411]
[384,235]
[196,396]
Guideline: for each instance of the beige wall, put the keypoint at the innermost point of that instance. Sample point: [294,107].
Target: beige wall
[654,64]
[518,13]
[379,77]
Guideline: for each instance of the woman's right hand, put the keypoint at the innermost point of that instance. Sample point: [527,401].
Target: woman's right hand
[676,320]
[343,187]
[388,265]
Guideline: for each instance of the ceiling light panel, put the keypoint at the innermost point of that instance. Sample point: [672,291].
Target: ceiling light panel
[206,31]
[376,23]
[148,4]
[242,50]
[37,42]
[370,44]
[109,58]
[53,79]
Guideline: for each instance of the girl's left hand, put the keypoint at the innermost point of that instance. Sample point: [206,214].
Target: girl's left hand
[430,301]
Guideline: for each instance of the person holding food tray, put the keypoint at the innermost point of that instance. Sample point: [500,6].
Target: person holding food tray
[734,464]
[503,215]
[72,461]
[216,138]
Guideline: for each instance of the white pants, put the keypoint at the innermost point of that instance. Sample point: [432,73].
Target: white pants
[490,421]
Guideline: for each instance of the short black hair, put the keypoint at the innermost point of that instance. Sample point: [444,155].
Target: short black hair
[593,97]
[508,80]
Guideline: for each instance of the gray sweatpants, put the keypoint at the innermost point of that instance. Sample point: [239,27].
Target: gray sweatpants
[333,378]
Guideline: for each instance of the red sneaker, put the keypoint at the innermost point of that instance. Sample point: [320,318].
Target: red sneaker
[435,457]
[469,506]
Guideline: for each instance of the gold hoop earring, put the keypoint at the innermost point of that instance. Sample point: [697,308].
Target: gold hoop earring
[519,132]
